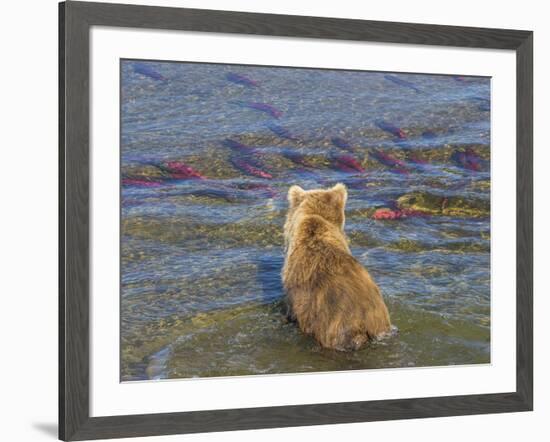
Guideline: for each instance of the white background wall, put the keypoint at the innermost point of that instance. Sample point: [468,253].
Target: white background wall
[28,220]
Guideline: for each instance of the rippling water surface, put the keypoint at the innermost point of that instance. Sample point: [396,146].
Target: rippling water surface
[208,152]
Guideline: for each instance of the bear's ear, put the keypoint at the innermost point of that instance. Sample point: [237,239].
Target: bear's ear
[295,195]
[341,191]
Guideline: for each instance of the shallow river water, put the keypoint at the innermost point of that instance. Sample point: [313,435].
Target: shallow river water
[208,153]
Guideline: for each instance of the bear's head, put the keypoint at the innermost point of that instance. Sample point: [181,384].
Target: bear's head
[326,203]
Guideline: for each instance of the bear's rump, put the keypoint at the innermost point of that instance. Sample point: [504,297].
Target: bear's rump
[339,319]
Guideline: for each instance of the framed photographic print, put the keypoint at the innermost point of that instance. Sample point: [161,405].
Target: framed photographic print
[271,220]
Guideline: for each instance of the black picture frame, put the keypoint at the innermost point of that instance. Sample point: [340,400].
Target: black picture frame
[75,20]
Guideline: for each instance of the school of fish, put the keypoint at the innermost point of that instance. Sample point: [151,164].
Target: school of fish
[247,159]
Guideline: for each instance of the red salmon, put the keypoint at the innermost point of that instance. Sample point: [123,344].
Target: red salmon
[181,171]
[250,169]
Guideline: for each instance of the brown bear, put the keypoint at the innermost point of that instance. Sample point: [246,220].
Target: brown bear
[329,293]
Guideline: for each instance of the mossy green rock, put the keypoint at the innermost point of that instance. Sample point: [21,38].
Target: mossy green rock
[444,206]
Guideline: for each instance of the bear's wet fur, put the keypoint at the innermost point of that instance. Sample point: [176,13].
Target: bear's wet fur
[329,293]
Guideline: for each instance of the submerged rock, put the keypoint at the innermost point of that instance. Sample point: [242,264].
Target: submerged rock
[445,206]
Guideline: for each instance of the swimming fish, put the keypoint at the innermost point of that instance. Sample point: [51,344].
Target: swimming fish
[468,159]
[295,157]
[390,128]
[386,213]
[262,107]
[249,168]
[346,163]
[342,143]
[141,182]
[401,82]
[281,132]
[237,146]
[396,165]
[222,194]
[241,79]
[259,187]
[181,171]
[147,71]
